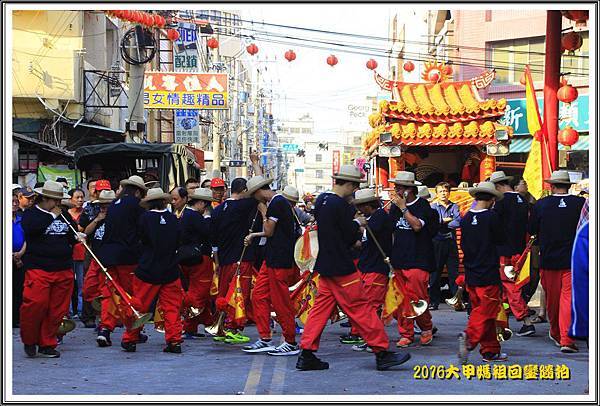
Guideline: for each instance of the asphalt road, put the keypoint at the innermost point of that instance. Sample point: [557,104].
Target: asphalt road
[206,367]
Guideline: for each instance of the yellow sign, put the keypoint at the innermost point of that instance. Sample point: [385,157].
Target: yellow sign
[185,90]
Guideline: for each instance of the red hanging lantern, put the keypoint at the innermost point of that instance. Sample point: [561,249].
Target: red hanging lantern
[567,93]
[252,49]
[116,13]
[126,15]
[290,55]
[571,41]
[372,64]
[137,17]
[332,60]
[409,66]
[172,34]
[212,43]
[568,136]
[434,77]
[149,20]
[579,16]
[159,21]
[447,70]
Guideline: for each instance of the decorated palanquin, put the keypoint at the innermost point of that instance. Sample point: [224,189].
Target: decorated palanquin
[438,111]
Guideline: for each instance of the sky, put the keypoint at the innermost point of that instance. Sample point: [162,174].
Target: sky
[308,84]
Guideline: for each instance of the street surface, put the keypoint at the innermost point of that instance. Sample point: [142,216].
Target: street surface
[222,369]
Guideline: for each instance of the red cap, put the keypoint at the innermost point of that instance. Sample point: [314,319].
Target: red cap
[217,182]
[102,184]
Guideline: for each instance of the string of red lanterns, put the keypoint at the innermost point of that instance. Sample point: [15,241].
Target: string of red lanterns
[212,43]
[139,17]
[252,49]
[332,60]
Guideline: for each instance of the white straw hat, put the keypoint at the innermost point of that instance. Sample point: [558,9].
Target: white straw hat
[423,192]
[499,176]
[136,181]
[155,194]
[255,183]
[560,177]
[106,196]
[365,196]
[202,194]
[405,178]
[291,194]
[53,190]
[486,187]
[350,173]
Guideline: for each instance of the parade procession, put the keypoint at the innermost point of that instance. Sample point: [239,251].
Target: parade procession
[195,212]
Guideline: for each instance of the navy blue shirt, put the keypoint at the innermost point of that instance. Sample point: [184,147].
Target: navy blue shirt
[414,249]
[49,241]
[554,220]
[98,235]
[370,259]
[231,221]
[159,234]
[120,245]
[195,230]
[513,210]
[279,252]
[481,233]
[337,233]
[447,230]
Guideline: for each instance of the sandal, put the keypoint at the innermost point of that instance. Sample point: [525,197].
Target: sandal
[539,319]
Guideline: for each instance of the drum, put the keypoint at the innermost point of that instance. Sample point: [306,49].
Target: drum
[306,249]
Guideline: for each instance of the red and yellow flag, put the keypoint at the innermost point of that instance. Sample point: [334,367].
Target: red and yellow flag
[306,297]
[524,274]
[236,309]
[395,300]
[538,165]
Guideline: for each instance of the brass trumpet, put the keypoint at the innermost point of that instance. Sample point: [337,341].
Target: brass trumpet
[66,326]
[218,327]
[512,272]
[504,334]
[419,307]
[190,312]
[456,301]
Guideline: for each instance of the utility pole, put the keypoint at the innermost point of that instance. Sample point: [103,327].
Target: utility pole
[245,151]
[552,82]
[216,129]
[136,124]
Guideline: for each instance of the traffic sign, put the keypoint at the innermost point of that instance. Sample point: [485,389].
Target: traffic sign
[237,164]
[293,148]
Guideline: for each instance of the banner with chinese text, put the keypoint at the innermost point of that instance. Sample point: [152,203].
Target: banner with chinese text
[184,90]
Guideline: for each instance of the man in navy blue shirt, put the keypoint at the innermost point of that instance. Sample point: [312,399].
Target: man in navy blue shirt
[514,215]
[339,281]
[416,223]
[444,244]
[271,288]
[554,220]
[481,233]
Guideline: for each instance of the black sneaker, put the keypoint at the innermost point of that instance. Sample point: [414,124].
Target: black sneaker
[569,349]
[351,339]
[307,361]
[48,352]
[30,350]
[128,347]
[388,359]
[142,338]
[433,307]
[174,348]
[526,330]
[494,357]
[345,324]
[103,338]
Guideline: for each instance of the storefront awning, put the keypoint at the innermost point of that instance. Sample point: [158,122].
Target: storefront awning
[523,145]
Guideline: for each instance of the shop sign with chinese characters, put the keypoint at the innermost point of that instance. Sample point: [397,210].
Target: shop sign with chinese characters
[185,90]
[576,114]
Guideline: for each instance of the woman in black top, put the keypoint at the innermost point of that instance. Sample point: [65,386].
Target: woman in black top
[49,273]
[157,273]
[195,259]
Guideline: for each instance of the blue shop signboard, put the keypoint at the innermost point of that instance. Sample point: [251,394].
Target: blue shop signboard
[576,114]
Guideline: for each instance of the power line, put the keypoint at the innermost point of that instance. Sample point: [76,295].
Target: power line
[371,37]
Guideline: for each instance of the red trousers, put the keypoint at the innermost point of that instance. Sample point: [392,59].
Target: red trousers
[416,285]
[271,291]
[481,327]
[46,297]
[511,294]
[226,274]
[123,276]
[170,298]
[557,285]
[198,293]
[375,288]
[94,279]
[347,292]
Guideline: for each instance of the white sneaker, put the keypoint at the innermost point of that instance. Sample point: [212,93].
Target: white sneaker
[286,349]
[362,347]
[259,346]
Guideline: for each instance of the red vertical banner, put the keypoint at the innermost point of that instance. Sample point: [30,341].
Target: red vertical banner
[335,167]
[487,167]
